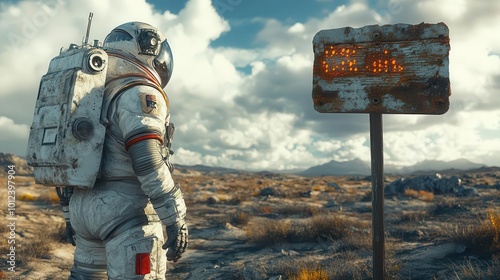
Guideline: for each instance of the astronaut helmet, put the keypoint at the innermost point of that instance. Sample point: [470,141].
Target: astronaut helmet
[144,46]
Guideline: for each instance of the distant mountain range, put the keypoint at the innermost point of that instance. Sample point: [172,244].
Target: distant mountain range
[427,166]
[352,167]
[359,167]
[205,168]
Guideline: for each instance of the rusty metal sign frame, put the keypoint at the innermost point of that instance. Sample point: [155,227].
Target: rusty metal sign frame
[390,69]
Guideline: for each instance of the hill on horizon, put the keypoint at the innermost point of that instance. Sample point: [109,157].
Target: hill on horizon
[335,168]
[352,167]
[359,167]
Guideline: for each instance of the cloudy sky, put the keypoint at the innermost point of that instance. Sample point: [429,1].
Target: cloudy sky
[241,88]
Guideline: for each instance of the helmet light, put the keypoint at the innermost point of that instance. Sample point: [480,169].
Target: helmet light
[148,42]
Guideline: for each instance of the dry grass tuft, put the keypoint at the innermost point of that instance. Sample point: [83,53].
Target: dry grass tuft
[239,218]
[318,188]
[289,210]
[50,196]
[494,224]
[266,209]
[357,241]
[58,233]
[238,198]
[342,266]
[414,216]
[316,273]
[483,235]
[53,198]
[42,244]
[266,232]
[447,205]
[27,197]
[421,195]
[325,227]
[37,248]
[477,269]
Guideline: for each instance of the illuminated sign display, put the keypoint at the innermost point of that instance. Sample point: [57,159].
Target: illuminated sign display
[350,61]
[395,69]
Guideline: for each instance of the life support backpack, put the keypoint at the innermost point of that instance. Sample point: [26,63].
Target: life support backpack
[66,138]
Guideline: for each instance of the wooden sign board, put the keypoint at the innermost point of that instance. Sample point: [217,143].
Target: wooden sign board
[393,69]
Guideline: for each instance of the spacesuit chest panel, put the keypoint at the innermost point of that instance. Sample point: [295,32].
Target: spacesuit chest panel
[66,137]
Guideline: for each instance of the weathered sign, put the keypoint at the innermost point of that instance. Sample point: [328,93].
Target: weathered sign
[392,69]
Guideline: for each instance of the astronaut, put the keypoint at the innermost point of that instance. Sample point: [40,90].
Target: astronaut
[117,224]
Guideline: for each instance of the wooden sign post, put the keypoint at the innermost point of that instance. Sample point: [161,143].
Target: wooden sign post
[389,69]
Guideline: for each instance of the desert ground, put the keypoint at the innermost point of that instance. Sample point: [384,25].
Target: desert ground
[274,226]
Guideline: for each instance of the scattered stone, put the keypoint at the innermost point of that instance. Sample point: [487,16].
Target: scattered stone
[336,187]
[315,193]
[268,191]
[333,205]
[305,194]
[482,186]
[354,178]
[320,196]
[412,235]
[487,186]
[450,209]
[436,184]
[289,253]
[207,183]
[213,200]
[468,192]
[277,277]
[468,176]
[417,234]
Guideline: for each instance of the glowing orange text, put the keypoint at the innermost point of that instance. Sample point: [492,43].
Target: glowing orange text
[349,60]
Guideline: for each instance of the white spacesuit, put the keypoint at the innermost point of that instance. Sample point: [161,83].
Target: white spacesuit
[118,222]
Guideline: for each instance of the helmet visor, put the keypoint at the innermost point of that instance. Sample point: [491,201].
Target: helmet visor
[164,63]
[117,35]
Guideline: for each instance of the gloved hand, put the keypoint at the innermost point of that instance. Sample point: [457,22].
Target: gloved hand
[69,234]
[177,241]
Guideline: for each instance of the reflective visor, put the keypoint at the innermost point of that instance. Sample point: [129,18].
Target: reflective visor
[164,63]
[117,35]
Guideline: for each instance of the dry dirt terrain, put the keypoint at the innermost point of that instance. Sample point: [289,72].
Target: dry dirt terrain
[272,226]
